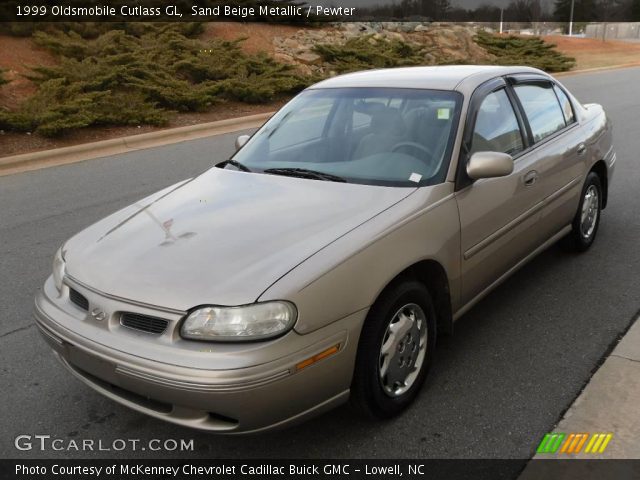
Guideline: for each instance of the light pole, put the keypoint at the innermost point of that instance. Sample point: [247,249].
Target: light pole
[571,18]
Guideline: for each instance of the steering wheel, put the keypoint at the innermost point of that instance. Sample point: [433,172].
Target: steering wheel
[415,146]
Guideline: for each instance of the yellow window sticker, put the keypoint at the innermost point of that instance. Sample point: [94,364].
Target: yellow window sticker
[443,114]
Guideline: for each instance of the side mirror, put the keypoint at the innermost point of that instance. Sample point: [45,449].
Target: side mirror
[241,140]
[489,165]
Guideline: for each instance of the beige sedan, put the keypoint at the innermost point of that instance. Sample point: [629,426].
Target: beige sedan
[320,263]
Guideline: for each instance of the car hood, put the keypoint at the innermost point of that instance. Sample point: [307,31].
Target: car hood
[221,238]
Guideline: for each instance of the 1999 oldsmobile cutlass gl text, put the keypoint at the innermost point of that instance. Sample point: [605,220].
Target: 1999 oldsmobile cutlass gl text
[196,12]
[221,470]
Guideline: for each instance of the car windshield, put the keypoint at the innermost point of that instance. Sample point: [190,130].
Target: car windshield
[375,136]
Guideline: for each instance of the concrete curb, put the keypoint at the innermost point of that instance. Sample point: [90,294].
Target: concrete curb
[596,69]
[114,146]
[608,404]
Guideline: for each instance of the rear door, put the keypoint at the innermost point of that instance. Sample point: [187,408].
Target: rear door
[498,216]
[555,135]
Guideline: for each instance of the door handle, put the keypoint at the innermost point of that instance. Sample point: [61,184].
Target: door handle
[530,178]
[582,149]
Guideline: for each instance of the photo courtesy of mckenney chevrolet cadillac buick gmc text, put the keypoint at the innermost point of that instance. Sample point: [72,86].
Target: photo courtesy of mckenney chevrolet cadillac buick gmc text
[322,260]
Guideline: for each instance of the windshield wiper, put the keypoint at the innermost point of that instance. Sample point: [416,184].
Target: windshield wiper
[235,163]
[305,173]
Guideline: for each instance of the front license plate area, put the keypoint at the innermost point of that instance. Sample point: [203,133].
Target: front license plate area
[91,364]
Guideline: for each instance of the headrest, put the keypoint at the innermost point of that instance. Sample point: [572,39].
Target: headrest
[387,121]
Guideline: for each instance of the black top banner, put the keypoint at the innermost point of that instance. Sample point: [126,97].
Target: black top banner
[294,11]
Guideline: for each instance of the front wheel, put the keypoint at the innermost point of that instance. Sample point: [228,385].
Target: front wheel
[585,223]
[395,350]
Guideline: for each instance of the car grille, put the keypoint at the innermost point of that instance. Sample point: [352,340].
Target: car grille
[143,322]
[78,299]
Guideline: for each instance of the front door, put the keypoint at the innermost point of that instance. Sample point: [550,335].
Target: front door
[498,216]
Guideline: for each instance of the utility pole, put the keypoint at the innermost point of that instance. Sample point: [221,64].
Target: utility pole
[502,16]
[571,19]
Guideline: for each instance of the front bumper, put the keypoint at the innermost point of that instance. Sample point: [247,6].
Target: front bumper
[258,388]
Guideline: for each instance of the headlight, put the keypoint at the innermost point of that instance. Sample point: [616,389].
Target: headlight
[236,324]
[58,269]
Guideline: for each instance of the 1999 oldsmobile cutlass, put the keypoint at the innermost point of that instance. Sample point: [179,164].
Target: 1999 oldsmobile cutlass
[320,262]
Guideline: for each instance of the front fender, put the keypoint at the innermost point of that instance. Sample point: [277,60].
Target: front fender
[348,275]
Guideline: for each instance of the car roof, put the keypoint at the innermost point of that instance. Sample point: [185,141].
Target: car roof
[463,78]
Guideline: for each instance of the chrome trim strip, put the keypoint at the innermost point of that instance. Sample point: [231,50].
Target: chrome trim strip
[77,282]
[561,191]
[199,387]
[502,231]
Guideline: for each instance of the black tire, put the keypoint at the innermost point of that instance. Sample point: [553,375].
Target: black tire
[580,240]
[368,395]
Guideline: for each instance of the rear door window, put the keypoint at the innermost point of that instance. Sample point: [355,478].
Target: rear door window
[542,109]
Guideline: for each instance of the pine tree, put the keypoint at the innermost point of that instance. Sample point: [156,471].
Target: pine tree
[635,10]
[442,9]
[583,10]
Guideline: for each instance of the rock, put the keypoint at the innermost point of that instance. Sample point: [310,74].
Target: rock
[408,26]
[393,36]
[304,69]
[318,34]
[351,27]
[439,42]
[308,58]
[290,43]
[284,58]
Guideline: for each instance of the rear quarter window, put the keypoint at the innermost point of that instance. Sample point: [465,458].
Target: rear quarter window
[565,103]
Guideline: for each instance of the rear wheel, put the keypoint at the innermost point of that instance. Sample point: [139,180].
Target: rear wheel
[585,223]
[395,350]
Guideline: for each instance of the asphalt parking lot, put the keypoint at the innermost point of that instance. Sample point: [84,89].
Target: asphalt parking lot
[516,361]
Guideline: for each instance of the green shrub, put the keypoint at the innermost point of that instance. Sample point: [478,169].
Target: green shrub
[121,78]
[529,51]
[370,52]
[139,73]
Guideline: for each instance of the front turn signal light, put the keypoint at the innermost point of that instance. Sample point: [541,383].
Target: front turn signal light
[316,358]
